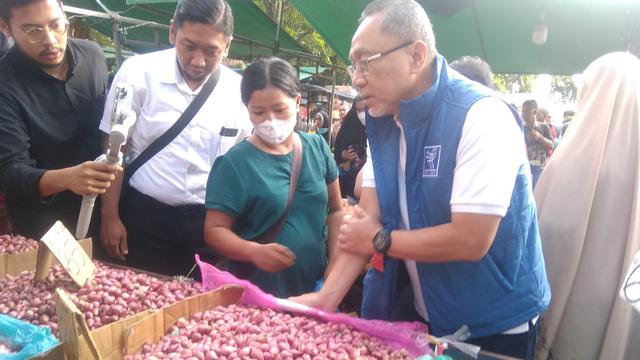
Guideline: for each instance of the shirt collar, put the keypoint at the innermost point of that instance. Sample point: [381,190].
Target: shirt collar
[175,77]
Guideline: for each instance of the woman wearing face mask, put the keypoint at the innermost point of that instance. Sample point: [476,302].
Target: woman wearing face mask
[350,149]
[248,190]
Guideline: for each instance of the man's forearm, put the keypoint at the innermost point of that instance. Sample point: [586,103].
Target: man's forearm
[111,198]
[346,269]
[467,237]
[334,220]
[53,182]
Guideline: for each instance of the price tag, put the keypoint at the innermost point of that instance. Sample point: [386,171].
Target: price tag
[71,325]
[59,241]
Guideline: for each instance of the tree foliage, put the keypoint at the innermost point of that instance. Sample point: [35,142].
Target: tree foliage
[297,26]
[563,87]
[507,83]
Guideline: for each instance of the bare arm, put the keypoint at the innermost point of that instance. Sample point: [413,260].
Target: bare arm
[88,178]
[271,257]
[467,237]
[334,220]
[113,234]
[346,268]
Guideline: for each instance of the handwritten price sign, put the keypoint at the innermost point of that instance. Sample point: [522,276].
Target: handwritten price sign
[71,256]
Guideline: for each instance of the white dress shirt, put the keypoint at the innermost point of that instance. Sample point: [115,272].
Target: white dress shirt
[177,174]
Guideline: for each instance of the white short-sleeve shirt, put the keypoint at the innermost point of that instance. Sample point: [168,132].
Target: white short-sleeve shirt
[177,174]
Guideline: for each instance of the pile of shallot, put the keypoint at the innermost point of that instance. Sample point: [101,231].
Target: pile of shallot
[16,244]
[5,348]
[238,332]
[112,295]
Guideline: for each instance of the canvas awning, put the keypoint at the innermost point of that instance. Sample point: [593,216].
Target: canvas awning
[500,31]
[254,34]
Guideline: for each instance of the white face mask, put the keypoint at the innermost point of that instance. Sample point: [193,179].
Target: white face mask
[361,115]
[274,131]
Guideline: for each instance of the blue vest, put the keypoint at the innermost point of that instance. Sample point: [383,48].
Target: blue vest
[508,286]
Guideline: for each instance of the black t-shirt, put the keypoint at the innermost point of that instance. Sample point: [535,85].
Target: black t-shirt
[536,151]
[47,124]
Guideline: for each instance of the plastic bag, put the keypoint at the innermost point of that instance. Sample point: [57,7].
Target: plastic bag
[29,340]
[411,336]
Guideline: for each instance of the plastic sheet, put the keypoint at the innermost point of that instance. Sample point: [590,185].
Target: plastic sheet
[411,336]
[29,340]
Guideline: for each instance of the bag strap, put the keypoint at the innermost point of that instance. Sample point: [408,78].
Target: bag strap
[175,129]
[296,164]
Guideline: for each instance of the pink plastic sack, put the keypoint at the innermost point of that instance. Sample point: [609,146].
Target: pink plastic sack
[411,336]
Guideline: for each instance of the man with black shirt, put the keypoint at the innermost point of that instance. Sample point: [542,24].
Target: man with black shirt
[51,95]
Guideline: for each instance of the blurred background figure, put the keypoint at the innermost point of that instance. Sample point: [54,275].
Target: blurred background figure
[475,69]
[589,214]
[567,117]
[321,123]
[350,149]
[544,119]
[302,124]
[537,138]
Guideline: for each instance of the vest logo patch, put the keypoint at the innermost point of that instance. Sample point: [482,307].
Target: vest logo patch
[431,161]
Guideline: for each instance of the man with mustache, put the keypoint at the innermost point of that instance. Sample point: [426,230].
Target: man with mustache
[51,95]
[161,216]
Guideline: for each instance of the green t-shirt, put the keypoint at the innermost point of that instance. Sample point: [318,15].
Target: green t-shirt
[252,187]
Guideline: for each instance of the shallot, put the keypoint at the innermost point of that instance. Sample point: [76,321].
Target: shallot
[112,295]
[239,332]
[16,244]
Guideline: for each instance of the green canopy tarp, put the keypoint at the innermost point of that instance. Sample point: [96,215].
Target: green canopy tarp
[249,21]
[500,31]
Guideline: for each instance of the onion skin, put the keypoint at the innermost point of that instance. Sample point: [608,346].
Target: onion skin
[10,244]
[112,295]
[233,333]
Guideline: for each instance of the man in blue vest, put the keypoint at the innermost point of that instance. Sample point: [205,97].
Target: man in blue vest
[447,209]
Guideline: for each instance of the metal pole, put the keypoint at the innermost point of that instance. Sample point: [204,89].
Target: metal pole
[276,44]
[333,92]
[117,45]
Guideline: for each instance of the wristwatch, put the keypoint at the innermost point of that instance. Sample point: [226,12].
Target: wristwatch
[382,241]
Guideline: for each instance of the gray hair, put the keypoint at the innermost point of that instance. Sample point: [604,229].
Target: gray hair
[403,19]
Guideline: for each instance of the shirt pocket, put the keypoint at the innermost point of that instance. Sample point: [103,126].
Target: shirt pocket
[224,144]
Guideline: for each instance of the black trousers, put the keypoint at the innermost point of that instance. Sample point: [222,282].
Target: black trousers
[164,238]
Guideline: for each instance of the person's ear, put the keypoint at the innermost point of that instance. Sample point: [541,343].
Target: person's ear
[225,53]
[5,29]
[172,32]
[298,101]
[419,56]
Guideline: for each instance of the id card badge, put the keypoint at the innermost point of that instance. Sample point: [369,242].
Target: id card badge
[228,132]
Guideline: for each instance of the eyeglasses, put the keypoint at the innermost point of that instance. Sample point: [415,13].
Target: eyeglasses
[363,65]
[35,35]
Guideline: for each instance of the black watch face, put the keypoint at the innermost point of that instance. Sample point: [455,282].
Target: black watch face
[379,241]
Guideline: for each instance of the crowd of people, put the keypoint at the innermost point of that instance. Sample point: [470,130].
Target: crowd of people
[442,168]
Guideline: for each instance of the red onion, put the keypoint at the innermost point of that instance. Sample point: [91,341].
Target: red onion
[238,332]
[112,295]
[16,244]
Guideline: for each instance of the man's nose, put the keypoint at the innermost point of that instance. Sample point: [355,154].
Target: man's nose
[198,59]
